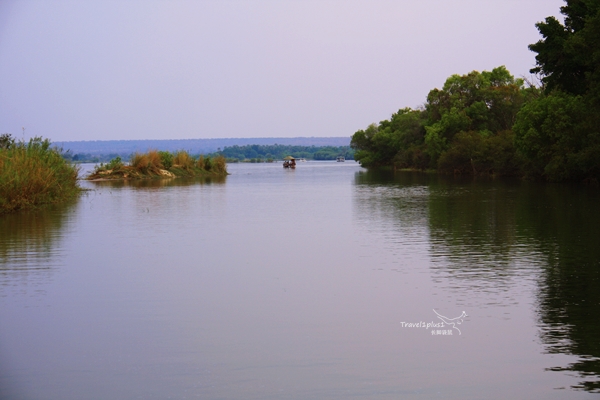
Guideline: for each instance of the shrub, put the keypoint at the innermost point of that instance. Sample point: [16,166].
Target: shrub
[115,163]
[166,159]
[32,174]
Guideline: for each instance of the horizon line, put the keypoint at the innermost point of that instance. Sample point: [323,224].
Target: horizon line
[229,138]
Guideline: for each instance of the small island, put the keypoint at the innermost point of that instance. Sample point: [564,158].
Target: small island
[159,164]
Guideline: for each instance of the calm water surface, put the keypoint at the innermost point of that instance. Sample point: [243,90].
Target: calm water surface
[305,284]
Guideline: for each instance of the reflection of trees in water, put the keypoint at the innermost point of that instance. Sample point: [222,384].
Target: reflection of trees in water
[401,202]
[564,223]
[488,236]
[489,231]
[29,244]
[473,235]
[161,183]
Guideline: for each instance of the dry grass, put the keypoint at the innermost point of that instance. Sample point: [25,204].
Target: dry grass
[183,160]
[154,160]
[219,165]
[200,162]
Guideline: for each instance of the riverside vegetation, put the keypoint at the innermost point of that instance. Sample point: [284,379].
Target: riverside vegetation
[160,164]
[34,173]
[269,153]
[254,153]
[491,123]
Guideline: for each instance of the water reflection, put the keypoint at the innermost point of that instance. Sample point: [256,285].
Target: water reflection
[161,183]
[473,237]
[562,223]
[29,245]
[494,236]
[400,203]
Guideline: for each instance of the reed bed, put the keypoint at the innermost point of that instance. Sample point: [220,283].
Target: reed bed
[157,164]
[147,163]
[32,174]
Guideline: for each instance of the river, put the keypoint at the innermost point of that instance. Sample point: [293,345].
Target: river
[324,282]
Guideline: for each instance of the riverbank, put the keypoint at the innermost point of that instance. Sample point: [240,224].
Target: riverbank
[33,174]
[159,164]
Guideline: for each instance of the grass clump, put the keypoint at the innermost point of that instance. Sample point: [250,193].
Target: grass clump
[218,165]
[32,174]
[156,164]
[183,160]
[149,163]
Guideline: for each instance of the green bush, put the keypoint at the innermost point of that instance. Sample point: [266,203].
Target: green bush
[166,158]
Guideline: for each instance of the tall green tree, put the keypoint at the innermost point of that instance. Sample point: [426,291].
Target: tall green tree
[559,133]
[568,55]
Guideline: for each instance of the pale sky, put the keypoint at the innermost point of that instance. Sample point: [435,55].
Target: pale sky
[143,69]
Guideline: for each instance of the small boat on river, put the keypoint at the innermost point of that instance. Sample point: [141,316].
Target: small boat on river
[340,159]
[289,162]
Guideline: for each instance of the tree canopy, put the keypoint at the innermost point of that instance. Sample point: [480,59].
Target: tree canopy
[491,122]
[568,55]
[462,127]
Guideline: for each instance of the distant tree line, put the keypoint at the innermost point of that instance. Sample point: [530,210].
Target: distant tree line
[93,158]
[248,153]
[492,123]
[277,152]
[125,148]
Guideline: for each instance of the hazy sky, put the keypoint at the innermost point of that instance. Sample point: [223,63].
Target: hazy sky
[103,70]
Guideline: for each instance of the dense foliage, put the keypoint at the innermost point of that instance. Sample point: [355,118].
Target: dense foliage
[464,127]
[489,122]
[559,132]
[33,173]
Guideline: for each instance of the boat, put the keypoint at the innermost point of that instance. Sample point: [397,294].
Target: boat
[290,162]
[340,159]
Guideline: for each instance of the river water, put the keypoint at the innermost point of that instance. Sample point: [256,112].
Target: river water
[323,282]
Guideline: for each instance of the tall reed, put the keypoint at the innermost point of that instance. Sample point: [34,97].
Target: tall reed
[200,162]
[183,160]
[147,163]
[219,165]
[33,173]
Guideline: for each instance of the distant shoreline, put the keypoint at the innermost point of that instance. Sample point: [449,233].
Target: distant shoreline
[194,146]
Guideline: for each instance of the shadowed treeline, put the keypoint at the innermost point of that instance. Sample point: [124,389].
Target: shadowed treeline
[563,225]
